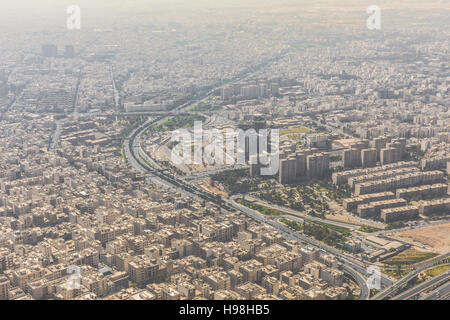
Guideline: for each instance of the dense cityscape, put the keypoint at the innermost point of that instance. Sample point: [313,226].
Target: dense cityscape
[96,202]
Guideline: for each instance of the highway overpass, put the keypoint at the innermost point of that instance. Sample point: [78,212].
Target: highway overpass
[391,290]
[435,281]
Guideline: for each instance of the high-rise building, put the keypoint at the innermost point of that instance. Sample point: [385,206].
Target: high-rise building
[49,50]
[373,208]
[390,154]
[275,89]
[435,163]
[399,181]
[287,170]
[380,143]
[399,213]
[293,165]
[402,142]
[317,164]
[250,92]
[368,157]
[351,158]
[317,140]
[227,93]
[438,206]
[69,51]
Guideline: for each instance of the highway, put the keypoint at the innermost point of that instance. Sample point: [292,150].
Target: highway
[441,293]
[399,284]
[350,266]
[135,155]
[360,280]
[443,277]
[353,267]
[303,215]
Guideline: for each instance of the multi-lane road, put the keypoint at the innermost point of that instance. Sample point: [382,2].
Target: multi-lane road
[435,281]
[441,293]
[145,164]
[135,155]
[391,290]
[304,215]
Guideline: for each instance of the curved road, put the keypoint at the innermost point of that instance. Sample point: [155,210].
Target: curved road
[133,150]
[135,156]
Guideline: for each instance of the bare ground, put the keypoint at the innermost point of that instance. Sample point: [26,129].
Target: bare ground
[437,238]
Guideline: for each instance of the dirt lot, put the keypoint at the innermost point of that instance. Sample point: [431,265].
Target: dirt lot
[437,238]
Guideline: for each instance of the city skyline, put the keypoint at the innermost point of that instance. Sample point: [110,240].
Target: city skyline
[233,150]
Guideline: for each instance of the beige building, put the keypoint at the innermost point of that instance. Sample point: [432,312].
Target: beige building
[400,213]
[368,158]
[435,207]
[353,203]
[402,181]
[373,209]
[434,190]
[4,287]
[342,177]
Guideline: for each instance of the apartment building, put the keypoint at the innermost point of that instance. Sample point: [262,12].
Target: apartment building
[399,213]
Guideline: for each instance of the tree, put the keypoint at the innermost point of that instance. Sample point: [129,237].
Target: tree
[399,269]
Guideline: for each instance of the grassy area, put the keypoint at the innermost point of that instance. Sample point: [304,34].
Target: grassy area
[324,234]
[262,209]
[397,274]
[410,256]
[373,292]
[298,198]
[295,130]
[437,270]
[122,152]
[133,125]
[344,231]
[368,229]
[177,123]
[335,158]
[332,191]
[319,231]
[293,224]
[235,181]
[329,234]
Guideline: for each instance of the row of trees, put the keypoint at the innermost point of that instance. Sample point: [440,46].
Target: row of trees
[184,121]
[235,182]
[322,233]
[295,198]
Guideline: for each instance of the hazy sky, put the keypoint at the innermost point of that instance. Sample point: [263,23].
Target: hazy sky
[26,14]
